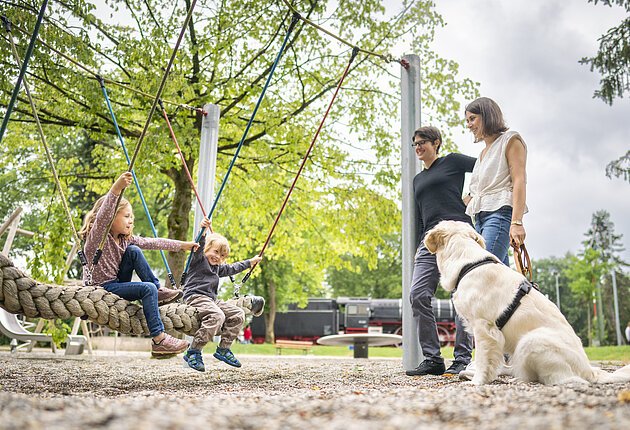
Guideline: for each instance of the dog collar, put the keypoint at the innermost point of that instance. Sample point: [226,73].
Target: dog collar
[470,266]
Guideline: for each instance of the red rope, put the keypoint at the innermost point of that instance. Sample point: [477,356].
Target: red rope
[181,155]
[308,152]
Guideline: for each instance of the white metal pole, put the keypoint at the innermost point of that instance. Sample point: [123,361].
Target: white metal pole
[207,161]
[207,166]
[410,120]
[615,298]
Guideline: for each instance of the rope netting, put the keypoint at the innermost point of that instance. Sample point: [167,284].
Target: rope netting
[20,294]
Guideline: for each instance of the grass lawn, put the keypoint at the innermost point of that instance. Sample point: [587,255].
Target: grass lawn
[604,353]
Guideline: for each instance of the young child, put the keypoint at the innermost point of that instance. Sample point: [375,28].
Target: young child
[200,290]
[122,256]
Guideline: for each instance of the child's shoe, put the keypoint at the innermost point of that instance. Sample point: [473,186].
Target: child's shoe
[168,346]
[168,295]
[194,360]
[225,355]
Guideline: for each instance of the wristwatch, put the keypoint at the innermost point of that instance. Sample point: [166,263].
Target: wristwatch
[517,222]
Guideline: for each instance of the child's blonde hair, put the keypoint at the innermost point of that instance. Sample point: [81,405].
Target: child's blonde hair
[90,217]
[220,241]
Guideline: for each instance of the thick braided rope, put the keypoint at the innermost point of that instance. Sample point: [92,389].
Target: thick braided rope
[20,294]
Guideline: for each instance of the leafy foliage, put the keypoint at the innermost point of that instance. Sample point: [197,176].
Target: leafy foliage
[613,63]
[343,204]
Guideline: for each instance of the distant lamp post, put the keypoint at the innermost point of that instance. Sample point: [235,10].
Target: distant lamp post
[557,275]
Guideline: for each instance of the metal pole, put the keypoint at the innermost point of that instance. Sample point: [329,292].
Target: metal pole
[207,160]
[27,57]
[207,166]
[615,298]
[410,120]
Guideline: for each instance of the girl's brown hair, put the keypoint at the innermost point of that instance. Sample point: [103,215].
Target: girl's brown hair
[90,217]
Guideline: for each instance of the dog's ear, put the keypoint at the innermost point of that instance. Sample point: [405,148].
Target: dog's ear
[478,238]
[434,239]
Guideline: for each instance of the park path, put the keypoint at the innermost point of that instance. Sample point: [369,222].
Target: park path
[131,391]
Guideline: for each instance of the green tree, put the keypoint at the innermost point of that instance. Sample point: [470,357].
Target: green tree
[571,305]
[584,273]
[225,59]
[612,61]
[358,279]
[602,237]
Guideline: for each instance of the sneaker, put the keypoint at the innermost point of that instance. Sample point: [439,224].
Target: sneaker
[168,295]
[456,368]
[258,305]
[427,367]
[194,360]
[225,355]
[168,346]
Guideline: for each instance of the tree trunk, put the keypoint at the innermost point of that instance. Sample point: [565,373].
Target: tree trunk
[270,318]
[588,325]
[178,222]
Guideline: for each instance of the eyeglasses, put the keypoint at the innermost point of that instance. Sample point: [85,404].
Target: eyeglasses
[420,142]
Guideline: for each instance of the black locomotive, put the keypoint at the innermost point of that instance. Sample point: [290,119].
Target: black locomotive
[323,317]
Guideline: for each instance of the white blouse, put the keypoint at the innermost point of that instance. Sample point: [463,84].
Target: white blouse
[490,184]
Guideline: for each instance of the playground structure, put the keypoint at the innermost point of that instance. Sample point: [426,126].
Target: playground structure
[128,315]
[15,329]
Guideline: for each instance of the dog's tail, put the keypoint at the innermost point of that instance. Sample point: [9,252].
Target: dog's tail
[603,377]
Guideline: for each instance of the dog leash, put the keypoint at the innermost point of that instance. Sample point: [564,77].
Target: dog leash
[522,261]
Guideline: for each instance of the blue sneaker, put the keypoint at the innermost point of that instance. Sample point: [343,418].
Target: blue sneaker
[194,360]
[225,355]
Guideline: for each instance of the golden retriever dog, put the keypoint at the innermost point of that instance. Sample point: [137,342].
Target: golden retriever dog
[542,345]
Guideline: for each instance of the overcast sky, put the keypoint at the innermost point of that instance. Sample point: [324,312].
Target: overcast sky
[525,55]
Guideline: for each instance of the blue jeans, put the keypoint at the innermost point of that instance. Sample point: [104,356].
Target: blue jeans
[146,291]
[494,227]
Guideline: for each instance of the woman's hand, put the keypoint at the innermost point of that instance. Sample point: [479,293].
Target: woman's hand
[517,234]
[121,183]
[255,260]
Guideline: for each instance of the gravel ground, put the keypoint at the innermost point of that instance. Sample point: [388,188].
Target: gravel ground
[130,391]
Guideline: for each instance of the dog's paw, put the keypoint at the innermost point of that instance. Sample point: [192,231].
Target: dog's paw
[477,380]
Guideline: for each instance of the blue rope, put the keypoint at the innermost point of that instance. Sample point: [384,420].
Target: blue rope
[27,57]
[135,180]
[294,21]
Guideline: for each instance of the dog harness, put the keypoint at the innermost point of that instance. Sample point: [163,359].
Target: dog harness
[523,290]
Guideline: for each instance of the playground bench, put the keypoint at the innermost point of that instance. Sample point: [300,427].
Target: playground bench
[305,346]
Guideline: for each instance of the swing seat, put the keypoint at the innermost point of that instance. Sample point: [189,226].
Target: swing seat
[20,294]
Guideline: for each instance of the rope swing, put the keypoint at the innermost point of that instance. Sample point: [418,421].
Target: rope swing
[294,21]
[27,57]
[99,251]
[47,150]
[19,294]
[181,156]
[355,51]
[135,179]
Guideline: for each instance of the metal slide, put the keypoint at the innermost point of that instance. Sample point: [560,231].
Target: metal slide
[11,327]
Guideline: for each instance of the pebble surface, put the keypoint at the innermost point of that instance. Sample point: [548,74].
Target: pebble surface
[132,391]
